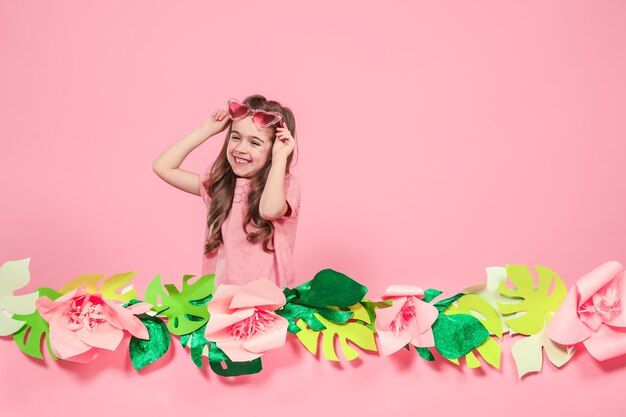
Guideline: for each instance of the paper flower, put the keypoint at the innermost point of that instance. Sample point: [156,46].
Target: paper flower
[243,323]
[82,324]
[593,313]
[408,320]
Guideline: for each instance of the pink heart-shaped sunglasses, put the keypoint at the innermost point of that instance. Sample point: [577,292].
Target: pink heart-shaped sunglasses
[260,118]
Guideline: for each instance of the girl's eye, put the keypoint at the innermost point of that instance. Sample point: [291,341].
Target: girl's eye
[234,138]
[256,143]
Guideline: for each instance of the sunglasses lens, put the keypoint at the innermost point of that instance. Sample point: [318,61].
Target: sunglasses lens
[264,119]
[237,110]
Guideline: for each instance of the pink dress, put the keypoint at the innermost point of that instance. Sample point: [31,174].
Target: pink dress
[238,261]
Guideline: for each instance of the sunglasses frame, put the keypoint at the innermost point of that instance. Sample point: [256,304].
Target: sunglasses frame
[277,116]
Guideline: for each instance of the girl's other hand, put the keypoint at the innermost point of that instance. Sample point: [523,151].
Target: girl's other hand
[284,143]
[217,122]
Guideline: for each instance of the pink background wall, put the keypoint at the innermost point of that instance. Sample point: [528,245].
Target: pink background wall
[436,139]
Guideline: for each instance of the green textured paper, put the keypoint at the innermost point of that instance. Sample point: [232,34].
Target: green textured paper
[457,335]
[217,357]
[430,294]
[144,352]
[292,312]
[196,343]
[425,353]
[332,288]
[30,342]
[185,310]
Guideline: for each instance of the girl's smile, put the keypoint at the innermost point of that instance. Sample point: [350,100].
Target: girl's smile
[248,148]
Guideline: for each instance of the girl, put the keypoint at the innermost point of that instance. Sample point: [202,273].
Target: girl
[252,200]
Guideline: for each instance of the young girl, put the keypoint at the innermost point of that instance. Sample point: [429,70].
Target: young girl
[252,199]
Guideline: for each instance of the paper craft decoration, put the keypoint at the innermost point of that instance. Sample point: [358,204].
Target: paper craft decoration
[232,326]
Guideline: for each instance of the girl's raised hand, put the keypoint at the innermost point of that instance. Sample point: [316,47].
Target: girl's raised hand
[217,121]
[284,143]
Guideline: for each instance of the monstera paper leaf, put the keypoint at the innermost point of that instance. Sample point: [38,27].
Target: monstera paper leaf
[356,331]
[476,306]
[186,309]
[13,276]
[538,304]
[28,338]
[528,352]
[116,287]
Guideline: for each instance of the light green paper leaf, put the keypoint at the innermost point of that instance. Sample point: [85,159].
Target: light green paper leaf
[28,338]
[538,305]
[489,292]
[13,276]
[476,306]
[185,310]
[528,355]
[116,287]
[355,331]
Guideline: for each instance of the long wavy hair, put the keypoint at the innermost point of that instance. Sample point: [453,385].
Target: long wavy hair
[221,185]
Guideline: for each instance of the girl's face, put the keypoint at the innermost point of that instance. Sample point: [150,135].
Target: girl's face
[249,147]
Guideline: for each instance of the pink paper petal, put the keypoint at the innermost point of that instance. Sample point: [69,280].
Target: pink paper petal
[124,319]
[217,327]
[222,298]
[385,316]
[47,307]
[139,308]
[272,338]
[425,339]
[259,293]
[591,282]
[104,336]
[607,343]
[426,314]
[403,291]
[235,351]
[566,327]
[389,343]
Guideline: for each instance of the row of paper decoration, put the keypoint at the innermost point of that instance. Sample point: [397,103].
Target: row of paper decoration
[234,325]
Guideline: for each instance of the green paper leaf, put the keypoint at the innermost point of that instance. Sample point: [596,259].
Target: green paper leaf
[538,304]
[28,338]
[332,288]
[217,357]
[479,308]
[116,287]
[185,310]
[197,344]
[425,353]
[444,304]
[144,352]
[294,312]
[430,294]
[457,335]
[355,331]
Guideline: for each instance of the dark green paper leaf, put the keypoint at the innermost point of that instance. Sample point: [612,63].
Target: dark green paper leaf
[144,352]
[457,335]
[217,356]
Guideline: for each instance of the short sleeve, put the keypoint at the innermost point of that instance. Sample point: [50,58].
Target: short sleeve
[292,195]
[203,191]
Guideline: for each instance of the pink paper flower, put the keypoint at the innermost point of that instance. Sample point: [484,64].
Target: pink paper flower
[593,313]
[408,320]
[82,324]
[243,323]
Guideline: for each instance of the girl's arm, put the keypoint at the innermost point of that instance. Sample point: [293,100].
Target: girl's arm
[167,164]
[273,204]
